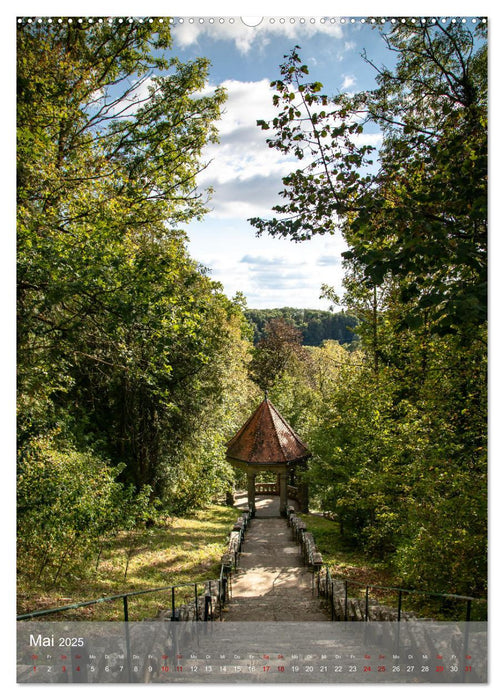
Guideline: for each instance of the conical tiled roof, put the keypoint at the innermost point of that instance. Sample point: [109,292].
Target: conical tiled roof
[266,438]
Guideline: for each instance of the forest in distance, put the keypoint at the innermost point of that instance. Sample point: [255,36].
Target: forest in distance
[316,325]
[135,368]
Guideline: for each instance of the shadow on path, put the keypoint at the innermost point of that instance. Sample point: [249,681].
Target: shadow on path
[272,583]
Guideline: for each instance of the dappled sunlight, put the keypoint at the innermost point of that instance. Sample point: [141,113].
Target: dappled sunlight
[186,550]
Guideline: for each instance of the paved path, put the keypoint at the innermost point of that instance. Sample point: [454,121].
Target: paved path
[272,583]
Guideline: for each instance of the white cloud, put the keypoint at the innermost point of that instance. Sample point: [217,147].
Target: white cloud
[348,81]
[262,260]
[244,172]
[328,260]
[281,278]
[270,272]
[366,139]
[186,33]
[246,102]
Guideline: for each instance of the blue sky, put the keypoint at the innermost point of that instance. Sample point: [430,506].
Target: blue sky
[244,173]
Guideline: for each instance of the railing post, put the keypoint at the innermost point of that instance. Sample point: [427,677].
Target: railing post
[208,603]
[399,605]
[346,601]
[327,582]
[466,636]
[332,601]
[367,603]
[196,615]
[127,635]
[173,603]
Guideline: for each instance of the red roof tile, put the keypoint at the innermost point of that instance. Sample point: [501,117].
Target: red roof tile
[266,438]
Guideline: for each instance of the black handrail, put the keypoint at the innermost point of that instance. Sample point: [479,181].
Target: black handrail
[412,590]
[124,597]
[399,590]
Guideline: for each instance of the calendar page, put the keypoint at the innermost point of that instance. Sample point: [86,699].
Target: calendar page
[251,349]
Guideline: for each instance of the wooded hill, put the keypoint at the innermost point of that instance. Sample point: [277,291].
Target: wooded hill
[315,325]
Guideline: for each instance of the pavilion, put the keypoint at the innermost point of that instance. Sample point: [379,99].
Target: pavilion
[266,442]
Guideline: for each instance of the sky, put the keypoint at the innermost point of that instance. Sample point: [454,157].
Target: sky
[244,173]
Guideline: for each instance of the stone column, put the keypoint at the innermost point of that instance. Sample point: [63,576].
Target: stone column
[251,493]
[283,493]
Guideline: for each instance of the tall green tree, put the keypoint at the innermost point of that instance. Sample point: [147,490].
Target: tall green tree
[118,327]
[422,215]
[400,438]
[274,352]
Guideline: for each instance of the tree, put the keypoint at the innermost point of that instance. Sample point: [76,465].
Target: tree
[399,439]
[272,354]
[67,502]
[100,170]
[316,325]
[422,216]
[118,328]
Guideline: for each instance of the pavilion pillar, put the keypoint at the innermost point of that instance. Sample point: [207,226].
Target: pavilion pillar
[303,497]
[283,493]
[251,493]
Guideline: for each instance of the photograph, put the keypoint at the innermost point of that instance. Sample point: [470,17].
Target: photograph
[251,349]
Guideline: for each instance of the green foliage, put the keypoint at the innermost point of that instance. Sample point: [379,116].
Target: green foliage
[128,354]
[198,472]
[398,456]
[398,427]
[422,216]
[68,501]
[275,351]
[448,536]
[319,131]
[172,551]
[124,343]
[425,222]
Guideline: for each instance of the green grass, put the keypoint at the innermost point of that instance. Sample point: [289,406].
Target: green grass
[343,560]
[186,550]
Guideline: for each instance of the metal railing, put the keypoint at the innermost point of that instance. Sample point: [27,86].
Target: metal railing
[329,594]
[222,594]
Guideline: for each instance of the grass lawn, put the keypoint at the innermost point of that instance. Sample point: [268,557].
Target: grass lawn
[186,550]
